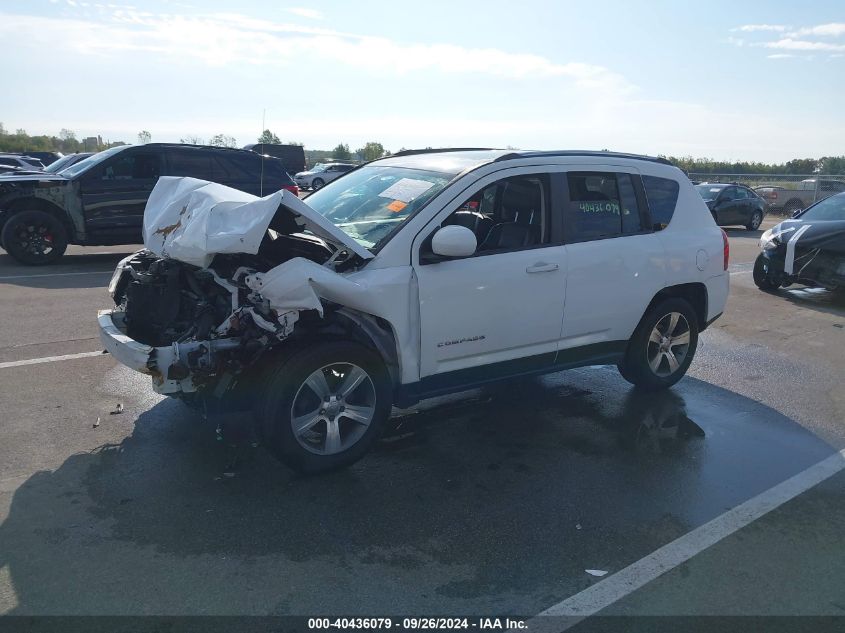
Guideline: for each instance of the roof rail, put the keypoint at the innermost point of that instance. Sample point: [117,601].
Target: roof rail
[431,150]
[591,153]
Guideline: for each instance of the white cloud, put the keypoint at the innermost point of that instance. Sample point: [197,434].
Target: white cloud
[302,12]
[228,39]
[751,28]
[833,29]
[804,45]
[780,56]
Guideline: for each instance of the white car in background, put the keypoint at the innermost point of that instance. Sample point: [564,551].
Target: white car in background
[416,275]
[321,174]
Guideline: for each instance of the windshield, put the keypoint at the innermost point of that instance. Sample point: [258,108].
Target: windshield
[370,202]
[58,165]
[318,167]
[87,163]
[709,192]
[832,208]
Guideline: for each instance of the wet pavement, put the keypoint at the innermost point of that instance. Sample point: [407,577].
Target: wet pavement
[493,501]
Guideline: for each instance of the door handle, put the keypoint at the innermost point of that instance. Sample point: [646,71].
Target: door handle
[542,268]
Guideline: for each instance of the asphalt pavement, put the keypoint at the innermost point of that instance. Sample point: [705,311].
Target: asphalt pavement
[489,502]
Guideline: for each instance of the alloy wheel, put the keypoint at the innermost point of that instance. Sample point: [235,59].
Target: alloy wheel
[35,238]
[333,408]
[668,344]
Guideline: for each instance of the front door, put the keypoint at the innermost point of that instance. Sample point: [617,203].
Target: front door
[499,311]
[115,194]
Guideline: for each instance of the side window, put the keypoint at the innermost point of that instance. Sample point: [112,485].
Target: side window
[631,219]
[8,161]
[511,214]
[132,167]
[594,208]
[741,194]
[728,194]
[195,164]
[236,168]
[662,196]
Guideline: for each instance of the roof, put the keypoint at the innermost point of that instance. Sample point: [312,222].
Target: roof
[456,160]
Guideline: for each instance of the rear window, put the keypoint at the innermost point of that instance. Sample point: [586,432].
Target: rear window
[662,196]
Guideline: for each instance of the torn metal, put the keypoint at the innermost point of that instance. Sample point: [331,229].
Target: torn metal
[224,278]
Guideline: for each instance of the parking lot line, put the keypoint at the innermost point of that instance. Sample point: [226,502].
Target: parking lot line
[87,272]
[613,588]
[48,359]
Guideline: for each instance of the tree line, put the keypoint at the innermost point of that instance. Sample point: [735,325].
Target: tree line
[66,142]
[827,165]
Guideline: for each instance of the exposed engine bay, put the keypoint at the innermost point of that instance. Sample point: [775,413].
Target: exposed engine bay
[205,324]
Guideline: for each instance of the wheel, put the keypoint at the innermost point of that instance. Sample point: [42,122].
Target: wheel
[756,221]
[762,275]
[662,347]
[325,406]
[34,237]
[317,183]
[792,206]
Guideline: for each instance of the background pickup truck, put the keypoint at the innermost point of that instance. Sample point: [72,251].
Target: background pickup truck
[782,199]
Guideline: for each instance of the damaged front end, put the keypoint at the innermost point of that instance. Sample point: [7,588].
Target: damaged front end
[191,309]
[802,252]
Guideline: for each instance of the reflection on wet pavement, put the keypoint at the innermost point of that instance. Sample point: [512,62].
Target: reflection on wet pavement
[493,500]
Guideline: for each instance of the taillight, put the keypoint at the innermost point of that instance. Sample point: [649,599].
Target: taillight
[293,189]
[726,248]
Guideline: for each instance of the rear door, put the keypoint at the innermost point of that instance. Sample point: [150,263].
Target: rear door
[115,193]
[615,262]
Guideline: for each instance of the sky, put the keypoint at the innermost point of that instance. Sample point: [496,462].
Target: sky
[725,80]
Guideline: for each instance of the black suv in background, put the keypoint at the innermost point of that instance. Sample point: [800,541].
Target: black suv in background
[100,200]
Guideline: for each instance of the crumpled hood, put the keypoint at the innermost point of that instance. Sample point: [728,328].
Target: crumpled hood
[193,220]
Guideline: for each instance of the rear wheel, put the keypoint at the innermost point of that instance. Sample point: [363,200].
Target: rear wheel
[756,221]
[317,183]
[662,347]
[764,277]
[34,237]
[327,404]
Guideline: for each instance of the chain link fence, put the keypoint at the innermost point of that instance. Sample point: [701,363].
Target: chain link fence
[784,193]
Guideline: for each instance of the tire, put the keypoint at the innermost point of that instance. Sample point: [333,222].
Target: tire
[756,221]
[34,238]
[672,324]
[317,183]
[762,277]
[329,438]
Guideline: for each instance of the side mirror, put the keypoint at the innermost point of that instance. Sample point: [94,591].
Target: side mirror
[796,213]
[454,241]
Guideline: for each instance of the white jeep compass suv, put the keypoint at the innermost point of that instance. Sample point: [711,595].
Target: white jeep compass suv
[415,275]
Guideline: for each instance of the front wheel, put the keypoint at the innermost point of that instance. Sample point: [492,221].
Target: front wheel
[34,237]
[317,183]
[756,221]
[662,347]
[762,274]
[326,405]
